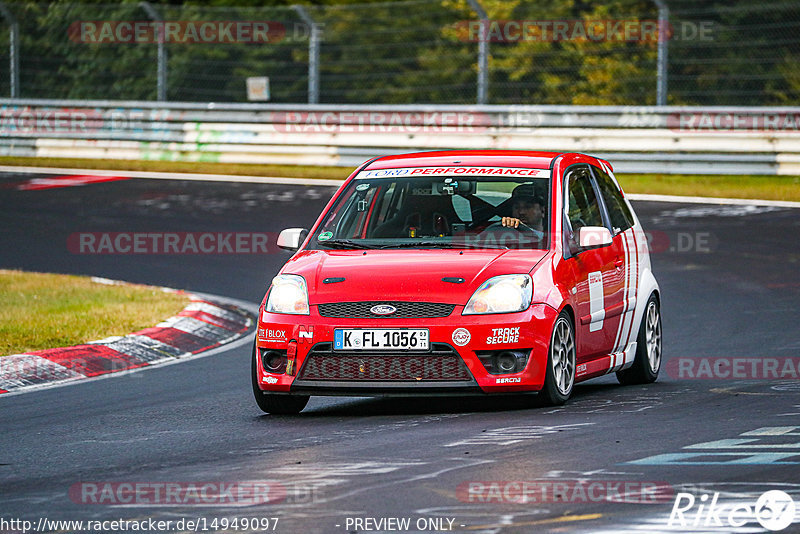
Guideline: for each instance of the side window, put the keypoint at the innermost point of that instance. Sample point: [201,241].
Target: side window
[353,214]
[333,222]
[618,212]
[462,208]
[387,201]
[583,208]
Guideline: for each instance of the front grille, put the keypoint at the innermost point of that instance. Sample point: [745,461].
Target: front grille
[404,309]
[441,364]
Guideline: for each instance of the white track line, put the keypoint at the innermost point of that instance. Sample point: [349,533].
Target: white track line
[333,182]
[178,176]
[713,200]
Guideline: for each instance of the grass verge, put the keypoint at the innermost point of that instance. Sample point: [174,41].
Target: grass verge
[44,311]
[247,169]
[724,186]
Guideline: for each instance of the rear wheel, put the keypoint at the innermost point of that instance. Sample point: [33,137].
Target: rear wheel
[270,402]
[647,362]
[560,374]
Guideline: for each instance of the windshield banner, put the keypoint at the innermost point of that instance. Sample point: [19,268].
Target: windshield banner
[456,171]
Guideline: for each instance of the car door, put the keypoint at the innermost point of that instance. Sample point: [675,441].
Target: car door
[598,272]
[621,223]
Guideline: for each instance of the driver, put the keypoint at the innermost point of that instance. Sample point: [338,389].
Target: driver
[526,208]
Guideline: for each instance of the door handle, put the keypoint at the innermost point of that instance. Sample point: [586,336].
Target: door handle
[619,262]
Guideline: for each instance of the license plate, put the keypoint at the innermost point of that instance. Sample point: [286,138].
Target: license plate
[381,339]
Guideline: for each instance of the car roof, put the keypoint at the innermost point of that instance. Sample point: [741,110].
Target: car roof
[493,158]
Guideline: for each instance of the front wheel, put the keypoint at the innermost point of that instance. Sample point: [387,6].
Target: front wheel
[272,403]
[647,362]
[560,374]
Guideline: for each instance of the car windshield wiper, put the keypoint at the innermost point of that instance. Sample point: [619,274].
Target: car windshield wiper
[412,244]
[345,244]
[438,244]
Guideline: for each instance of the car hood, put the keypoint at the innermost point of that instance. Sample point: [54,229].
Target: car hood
[405,275]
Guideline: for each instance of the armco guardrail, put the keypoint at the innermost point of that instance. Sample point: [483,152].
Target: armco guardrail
[637,139]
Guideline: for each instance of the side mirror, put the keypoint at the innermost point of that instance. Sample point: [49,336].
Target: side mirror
[292,238]
[593,237]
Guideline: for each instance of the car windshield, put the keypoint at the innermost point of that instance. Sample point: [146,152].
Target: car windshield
[438,212]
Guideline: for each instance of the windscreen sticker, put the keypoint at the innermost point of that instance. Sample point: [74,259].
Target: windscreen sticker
[324,236]
[461,171]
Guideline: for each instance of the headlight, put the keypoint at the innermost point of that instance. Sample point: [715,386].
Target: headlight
[501,294]
[288,294]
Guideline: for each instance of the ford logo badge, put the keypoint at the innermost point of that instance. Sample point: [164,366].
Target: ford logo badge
[382,309]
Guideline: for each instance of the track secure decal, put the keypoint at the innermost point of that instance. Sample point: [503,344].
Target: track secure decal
[503,335]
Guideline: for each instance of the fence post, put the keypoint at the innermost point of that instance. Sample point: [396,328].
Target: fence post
[663,52]
[13,49]
[483,52]
[161,83]
[313,54]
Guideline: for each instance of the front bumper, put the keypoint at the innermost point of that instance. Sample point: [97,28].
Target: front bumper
[451,367]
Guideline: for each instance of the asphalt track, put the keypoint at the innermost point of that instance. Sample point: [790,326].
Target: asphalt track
[730,278]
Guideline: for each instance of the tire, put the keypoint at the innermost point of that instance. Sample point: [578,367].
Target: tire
[559,377]
[647,362]
[272,403]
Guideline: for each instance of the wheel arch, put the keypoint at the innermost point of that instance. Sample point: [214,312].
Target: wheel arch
[567,307]
[647,286]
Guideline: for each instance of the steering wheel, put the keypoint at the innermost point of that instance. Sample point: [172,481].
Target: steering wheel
[499,226]
[522,228]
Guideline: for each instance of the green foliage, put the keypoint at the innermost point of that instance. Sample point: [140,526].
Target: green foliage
[419,51]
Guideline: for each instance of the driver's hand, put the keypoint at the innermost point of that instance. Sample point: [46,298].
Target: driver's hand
[511,222]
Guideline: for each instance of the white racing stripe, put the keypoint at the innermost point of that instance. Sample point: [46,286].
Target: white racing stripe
[625,324]
[629,314]
[635,282]
[621,355]
[618,340]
